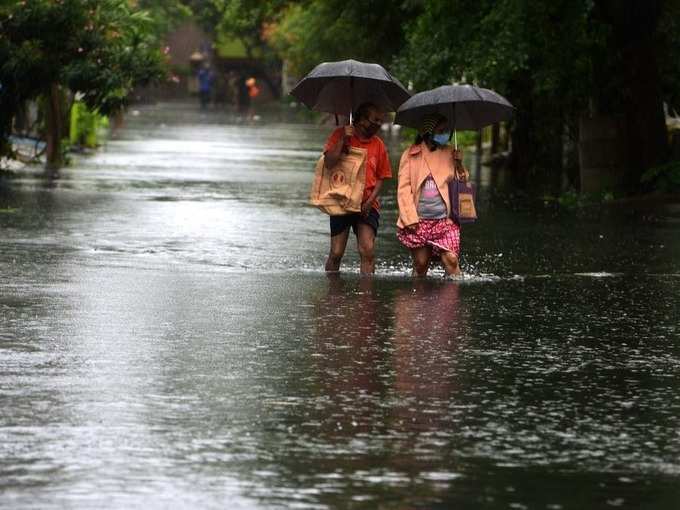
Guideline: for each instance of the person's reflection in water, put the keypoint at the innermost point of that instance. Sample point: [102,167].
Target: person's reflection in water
[426,333]
[349,355]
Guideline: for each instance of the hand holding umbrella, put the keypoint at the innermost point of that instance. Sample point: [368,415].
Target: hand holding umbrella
[348,132]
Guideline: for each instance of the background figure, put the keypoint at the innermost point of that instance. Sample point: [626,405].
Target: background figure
[243,98]
[232,89]
[253,92]
[206,79]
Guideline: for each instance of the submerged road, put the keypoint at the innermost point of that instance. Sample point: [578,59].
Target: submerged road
[168,339]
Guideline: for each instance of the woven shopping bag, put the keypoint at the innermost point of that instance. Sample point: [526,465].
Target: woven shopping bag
[339,190]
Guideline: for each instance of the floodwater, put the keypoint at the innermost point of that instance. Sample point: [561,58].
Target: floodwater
[168,339]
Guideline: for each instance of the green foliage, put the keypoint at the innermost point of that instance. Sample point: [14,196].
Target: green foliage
[572,199]
[165,15]
[99,49]
[205,12]
[554,60]
[669,42]
[664,178]
[244,20]
[85,126]
[466,138]
[548,44]
[315,31]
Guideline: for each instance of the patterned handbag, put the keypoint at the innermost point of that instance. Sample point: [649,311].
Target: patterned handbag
[462,195]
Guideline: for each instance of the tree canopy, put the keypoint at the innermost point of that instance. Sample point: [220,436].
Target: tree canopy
[556,60]
[99,49]
[307,33]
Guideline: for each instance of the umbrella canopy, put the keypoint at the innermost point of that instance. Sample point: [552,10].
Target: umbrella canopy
[340,87]
[465,107]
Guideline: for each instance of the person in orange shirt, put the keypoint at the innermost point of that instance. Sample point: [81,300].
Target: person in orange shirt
[253,92]
[362,133]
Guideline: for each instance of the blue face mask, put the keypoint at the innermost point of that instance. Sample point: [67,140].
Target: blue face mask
[441,138]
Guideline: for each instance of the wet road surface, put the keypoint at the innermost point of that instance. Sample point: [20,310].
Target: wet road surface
[168,339]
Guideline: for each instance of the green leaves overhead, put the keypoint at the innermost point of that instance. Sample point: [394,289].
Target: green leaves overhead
[310,32]
[99,48]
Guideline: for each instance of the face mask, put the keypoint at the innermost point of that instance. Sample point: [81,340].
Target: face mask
[371,128]
[441,138]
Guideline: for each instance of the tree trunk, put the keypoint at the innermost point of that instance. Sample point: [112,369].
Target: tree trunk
[53,155]
[495,138]
[645,119]
[522,155]
[634,26]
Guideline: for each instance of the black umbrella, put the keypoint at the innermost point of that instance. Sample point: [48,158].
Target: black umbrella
[340,87]
[465,107]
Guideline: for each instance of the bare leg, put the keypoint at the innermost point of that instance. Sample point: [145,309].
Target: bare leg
[366,245]
[421,260]
[338,245]
[450,263]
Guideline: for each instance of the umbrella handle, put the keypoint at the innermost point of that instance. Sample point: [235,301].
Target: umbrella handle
[453,122]
[345,139]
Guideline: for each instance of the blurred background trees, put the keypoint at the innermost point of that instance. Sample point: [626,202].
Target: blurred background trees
[575,69]
[99,50]
[559,62]
[570,67]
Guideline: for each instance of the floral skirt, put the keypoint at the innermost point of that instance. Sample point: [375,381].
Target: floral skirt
[441,235]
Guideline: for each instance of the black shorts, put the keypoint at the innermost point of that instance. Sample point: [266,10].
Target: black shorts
[341,223]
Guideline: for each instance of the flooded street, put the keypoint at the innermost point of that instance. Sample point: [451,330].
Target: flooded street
[169,339]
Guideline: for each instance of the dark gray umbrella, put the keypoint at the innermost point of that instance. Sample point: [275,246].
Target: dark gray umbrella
[465,107]
[340,87]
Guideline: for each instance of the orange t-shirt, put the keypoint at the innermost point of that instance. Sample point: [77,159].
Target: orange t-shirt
[377,163]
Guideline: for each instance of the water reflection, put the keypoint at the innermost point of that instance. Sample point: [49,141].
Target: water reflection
[168,338]
[425,342]
[347,334]
[349,355]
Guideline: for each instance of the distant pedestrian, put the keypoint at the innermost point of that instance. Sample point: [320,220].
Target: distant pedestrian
[253,92]
[232,89]
[253,89]
[206,79]
[425,226]
[243,98]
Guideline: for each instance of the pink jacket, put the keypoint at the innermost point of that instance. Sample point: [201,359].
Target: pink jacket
[417,162]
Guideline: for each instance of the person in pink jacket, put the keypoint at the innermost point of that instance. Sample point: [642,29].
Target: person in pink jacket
[424,225]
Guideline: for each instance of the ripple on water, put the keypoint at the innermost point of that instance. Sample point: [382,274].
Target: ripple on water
[168,337]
